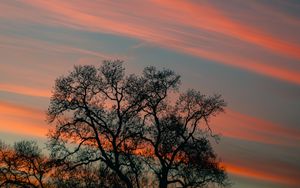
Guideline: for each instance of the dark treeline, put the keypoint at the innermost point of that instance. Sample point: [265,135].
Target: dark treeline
[115,130]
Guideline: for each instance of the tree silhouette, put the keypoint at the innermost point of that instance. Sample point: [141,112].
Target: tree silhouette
[128,125]
[180,151]
[96,111]
[23,165]
[89,175]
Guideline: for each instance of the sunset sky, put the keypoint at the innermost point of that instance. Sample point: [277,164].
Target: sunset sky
[248,51]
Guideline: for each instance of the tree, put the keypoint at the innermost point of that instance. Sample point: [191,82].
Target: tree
[181,153]
[95,111]
[89,175]
[23,165]
[128,125]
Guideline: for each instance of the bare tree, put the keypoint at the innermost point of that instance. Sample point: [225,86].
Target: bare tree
[23,165]
[129,125]
[96,112]
[82,176]
[178,134]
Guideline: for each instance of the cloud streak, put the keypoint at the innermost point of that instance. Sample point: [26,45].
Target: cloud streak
[213,19]
[184,27]
[243,127]
[20,119]
[23,90]
[253,173]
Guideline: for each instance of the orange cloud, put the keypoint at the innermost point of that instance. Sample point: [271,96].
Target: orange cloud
[260,175]
[23,90]
[9,108]
[165,27]
[240,126]
[208,17]
[20,119]
[22,127]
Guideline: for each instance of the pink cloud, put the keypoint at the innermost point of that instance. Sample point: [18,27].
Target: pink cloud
[244,127]
[181,26]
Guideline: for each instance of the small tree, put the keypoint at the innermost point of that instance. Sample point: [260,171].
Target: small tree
[23,165]
[128,125]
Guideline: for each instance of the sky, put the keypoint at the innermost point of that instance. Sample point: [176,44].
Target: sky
[247,51]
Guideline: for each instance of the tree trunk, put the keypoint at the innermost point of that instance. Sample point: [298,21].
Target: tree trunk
[163,184]
[163,181]
[125,179]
